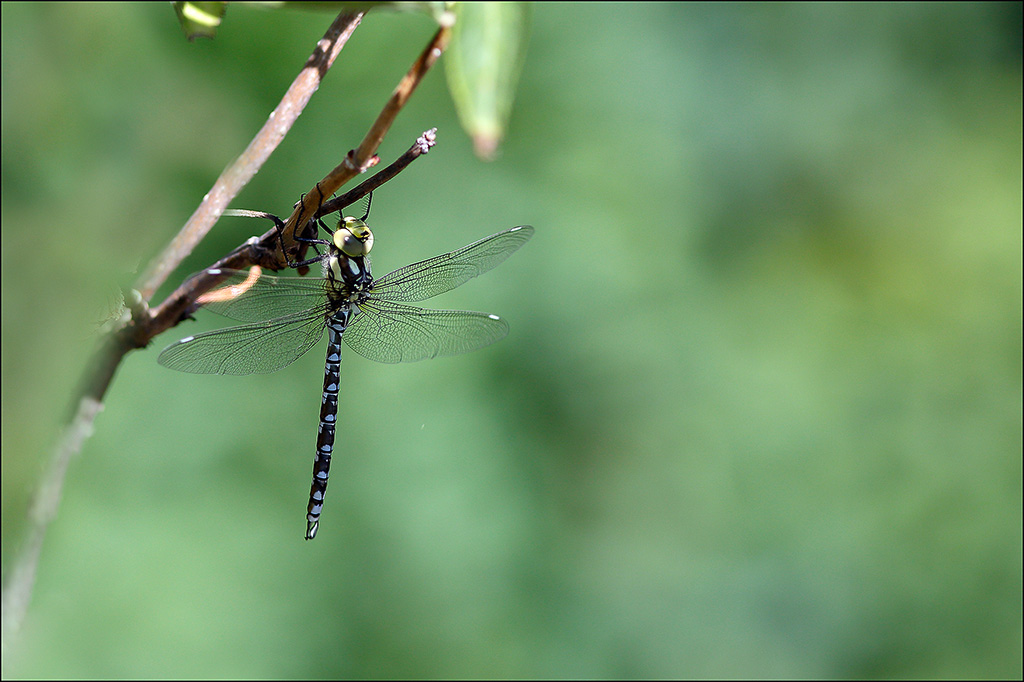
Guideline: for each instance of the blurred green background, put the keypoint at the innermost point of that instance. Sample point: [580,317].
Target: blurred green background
[759,413]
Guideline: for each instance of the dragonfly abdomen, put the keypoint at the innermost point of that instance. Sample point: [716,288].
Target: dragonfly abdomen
[328,420]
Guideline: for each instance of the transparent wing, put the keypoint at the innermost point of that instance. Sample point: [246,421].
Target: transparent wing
[439,274]
[390,332]
[256,348]
[249,297]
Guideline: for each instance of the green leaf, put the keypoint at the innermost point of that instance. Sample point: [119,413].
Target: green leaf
[483,64]
[199,19]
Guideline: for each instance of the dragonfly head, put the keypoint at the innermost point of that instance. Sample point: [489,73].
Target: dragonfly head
[353,237]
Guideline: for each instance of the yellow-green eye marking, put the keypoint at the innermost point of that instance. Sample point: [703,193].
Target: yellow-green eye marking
[353,237]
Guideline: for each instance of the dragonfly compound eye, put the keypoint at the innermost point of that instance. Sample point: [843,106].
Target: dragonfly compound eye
[353,237]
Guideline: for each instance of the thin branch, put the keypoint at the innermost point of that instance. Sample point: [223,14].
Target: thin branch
[239,173]
[263,250]
[144,323]
[138,328]
[364,156]
[423,144]
[17,592]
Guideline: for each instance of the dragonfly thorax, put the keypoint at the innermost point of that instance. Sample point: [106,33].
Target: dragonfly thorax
[349,275]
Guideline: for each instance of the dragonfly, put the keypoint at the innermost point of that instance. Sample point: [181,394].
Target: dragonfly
[284,317]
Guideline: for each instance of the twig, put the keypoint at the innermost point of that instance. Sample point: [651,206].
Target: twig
[263,252]
[17,592]
[364,157]
[239,173]
[143,324]
[423,144]
[139,327]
